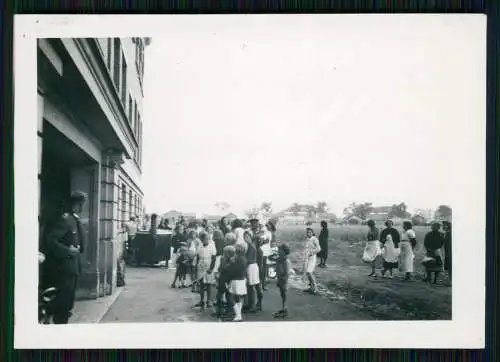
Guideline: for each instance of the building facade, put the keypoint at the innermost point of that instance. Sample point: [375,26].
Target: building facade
[90,115]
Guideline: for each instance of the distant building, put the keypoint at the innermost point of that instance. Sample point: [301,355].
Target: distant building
[427,214]
[90,93]
[379,214]
[231,216]
[290,217]
[211,218]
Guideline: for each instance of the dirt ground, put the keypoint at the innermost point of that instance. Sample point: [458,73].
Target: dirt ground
[347,276]
[147,297]
[345,290]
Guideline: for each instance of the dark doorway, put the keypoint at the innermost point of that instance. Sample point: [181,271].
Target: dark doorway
[65,167]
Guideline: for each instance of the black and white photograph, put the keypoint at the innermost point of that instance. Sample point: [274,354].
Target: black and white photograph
[186,181]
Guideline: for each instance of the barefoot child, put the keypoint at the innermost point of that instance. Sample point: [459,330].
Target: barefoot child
[193,244]
[223,281]
[283,271]
[238,284]
[204,258]
[183,265]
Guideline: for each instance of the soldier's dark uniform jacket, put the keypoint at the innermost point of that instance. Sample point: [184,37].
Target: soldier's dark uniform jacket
[66,232]
[61,266]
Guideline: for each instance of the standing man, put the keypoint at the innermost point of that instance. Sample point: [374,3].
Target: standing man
[127,250]
[63,245]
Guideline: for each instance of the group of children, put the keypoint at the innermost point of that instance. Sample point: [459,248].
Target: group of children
[227,259]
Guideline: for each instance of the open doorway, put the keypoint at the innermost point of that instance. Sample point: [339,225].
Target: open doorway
[66,168]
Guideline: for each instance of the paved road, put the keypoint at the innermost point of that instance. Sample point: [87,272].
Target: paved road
[147,297]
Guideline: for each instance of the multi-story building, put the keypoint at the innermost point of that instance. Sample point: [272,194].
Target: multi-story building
[90,94]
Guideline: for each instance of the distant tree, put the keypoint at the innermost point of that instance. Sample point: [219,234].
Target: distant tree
[295,208]
[332,218]
[348,211]
[443,211]
[354,221]
[266,207]
[418,220]
[311,210]
[361,210]
[321,207]
[400,211]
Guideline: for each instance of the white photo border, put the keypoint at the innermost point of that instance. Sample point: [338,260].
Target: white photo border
[466,330]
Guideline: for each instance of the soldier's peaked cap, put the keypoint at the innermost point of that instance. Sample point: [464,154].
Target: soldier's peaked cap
[78,196]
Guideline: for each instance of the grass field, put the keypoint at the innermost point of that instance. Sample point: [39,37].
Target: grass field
[347,276]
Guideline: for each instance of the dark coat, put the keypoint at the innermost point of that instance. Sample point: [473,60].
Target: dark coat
[447,251]
[396,238]
[67,231]
[323,243]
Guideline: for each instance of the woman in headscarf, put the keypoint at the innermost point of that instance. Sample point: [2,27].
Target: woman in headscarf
[433,260]
[447,247]
[407,246]
[372,248]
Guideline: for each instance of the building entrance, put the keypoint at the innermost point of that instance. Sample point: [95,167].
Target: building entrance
[66,168]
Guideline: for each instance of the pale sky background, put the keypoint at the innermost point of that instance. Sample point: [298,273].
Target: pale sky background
[286,109]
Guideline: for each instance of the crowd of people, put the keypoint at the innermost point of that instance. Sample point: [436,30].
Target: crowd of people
[226,263]
[397,251]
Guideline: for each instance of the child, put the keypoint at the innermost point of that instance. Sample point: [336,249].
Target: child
[223,280]
[183,264]
[193,244]
[391,255]
[283,271]
[311,249]
[204,259]
[230,239]
[238,284]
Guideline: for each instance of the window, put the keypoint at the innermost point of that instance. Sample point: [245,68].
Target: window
[136,205]
[109,54]
[124,81]
[130,204]
[139,161]
[116,62]
[130,111]
[139,59]
[136,121]
[124,203]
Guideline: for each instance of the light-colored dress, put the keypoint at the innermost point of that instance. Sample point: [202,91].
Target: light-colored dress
[406,257]
[372,249]
[205,254]
[311,249]
[240,239]
[266,247]
[390,253]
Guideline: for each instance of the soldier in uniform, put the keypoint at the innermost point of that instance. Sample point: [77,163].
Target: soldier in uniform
[63,244]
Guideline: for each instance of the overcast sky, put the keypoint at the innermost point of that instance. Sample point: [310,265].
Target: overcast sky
[245,109]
